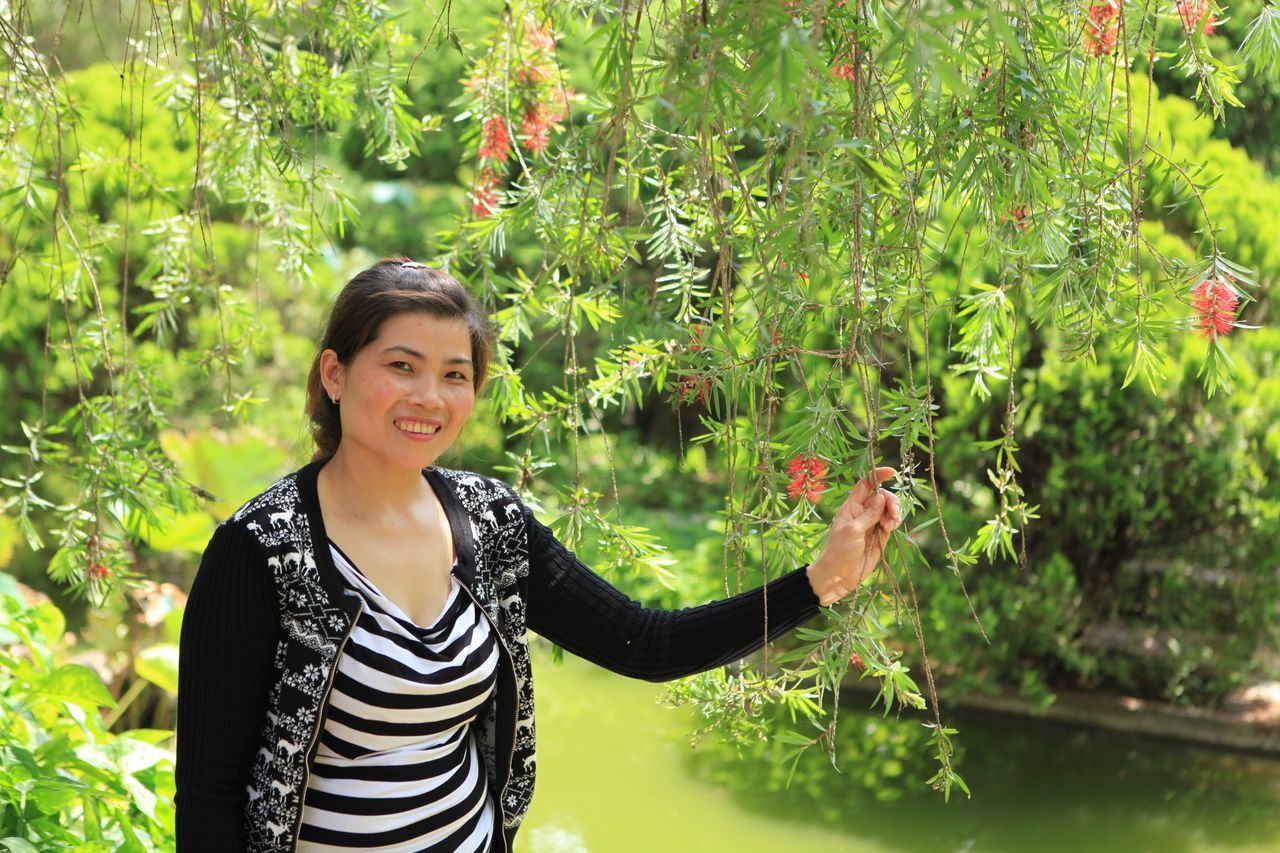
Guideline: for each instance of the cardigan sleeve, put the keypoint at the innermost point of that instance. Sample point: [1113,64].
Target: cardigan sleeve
[228,643]
[578,610]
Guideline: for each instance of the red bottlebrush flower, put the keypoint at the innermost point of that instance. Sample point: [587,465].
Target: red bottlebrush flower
[535,128]
[843,70]
[1216,302]
[1102,30]
[1019,215]
[694,387]
[484,195]
[1197,15]
[775,338]
[855,660]
[538,37]
[806,478]
[531,75]
[697,332]
[495,140]
[98,572]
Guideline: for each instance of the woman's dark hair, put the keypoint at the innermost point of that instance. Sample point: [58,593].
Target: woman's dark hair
[389,287]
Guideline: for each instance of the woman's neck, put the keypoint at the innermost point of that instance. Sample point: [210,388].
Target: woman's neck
[368,491]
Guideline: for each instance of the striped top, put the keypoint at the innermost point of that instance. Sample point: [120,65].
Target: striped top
[397,767]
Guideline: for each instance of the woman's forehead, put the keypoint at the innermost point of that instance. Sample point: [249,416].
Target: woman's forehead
[423,335]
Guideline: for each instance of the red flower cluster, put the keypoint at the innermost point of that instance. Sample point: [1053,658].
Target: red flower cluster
[694,387]
[530,75]
[484,195]
[1020,215]
[697,332]
[806,478]
[98,572]
[526,86]
[1216,302]
[546,101]
[1197,15]
[495,140]
[1102,30]
[538,37]
[539,120]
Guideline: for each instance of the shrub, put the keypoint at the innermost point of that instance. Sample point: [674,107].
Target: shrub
[65,780]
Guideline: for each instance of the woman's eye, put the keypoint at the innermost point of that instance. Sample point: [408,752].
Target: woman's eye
[457,374]
[402,366]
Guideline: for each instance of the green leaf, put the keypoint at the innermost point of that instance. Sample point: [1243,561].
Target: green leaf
[159,665]
[78,685]
[49,621]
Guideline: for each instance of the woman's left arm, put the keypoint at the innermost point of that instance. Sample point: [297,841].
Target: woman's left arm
[578,610]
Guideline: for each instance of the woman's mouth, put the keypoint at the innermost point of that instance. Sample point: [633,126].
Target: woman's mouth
[418,427]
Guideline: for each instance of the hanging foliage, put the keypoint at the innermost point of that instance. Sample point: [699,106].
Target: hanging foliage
[789,221]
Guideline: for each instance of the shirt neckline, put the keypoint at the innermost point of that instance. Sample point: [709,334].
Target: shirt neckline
[393,608]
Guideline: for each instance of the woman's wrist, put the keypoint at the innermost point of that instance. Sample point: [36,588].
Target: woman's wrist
[826,583]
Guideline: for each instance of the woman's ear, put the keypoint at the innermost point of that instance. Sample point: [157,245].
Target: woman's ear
[331,373]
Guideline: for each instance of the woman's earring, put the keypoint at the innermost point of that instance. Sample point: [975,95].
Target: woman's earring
[334,398]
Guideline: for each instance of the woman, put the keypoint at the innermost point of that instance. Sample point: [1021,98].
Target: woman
[354,670]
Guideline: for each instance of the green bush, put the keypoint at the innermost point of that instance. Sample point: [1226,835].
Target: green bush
[65,779]
[1152,568]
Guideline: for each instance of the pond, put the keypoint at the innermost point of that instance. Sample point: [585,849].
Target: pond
[616,773]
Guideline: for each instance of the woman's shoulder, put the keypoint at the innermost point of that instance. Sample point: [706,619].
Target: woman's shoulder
[277,509]
[276,505]
[484,498]
[470,484]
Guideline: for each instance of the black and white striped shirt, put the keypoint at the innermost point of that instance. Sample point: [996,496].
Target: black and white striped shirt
[397,767]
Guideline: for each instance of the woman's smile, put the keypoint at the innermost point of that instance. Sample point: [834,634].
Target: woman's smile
[418,430]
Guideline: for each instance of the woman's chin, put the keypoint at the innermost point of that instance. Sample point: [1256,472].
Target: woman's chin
[410,459]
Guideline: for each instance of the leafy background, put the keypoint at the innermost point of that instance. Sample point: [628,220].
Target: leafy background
[760,231]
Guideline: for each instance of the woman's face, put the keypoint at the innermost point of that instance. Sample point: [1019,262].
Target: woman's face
[404,398]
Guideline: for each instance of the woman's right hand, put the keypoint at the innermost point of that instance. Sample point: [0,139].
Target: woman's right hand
[859,533]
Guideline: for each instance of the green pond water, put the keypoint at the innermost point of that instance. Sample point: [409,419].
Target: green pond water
[616,773]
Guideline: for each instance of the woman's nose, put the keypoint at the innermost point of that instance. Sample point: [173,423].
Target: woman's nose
[426,393]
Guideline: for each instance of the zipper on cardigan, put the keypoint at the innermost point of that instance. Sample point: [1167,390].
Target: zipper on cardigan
[320,717]
[498,795]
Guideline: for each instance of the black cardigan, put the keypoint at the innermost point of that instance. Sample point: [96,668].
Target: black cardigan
[237,626]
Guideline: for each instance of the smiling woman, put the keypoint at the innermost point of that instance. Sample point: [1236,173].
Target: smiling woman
[354,665]
[395,290]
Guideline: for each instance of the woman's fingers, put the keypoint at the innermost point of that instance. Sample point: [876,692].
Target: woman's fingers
[892,512]
[867,485]
[871,514]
